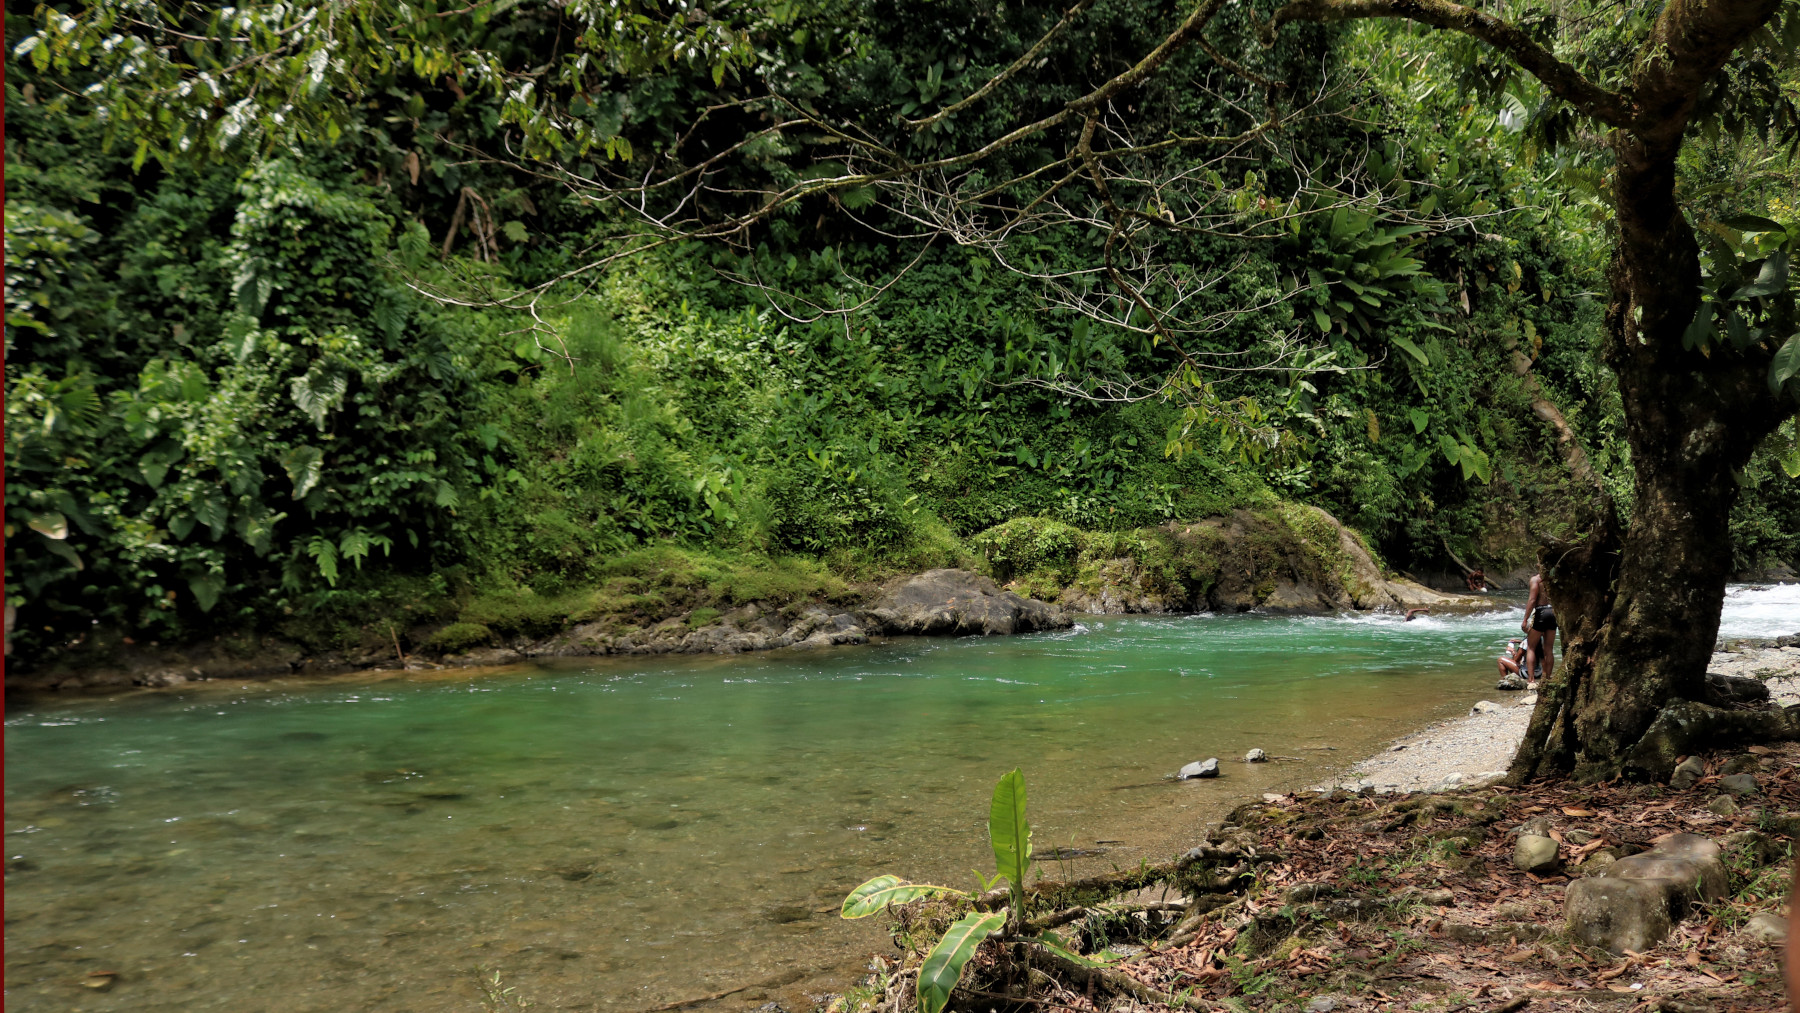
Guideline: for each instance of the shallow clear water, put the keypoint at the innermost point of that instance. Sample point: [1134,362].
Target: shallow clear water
[614,835]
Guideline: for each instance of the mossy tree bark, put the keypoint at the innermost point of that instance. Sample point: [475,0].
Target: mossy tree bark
[1640,606]
[1638,602]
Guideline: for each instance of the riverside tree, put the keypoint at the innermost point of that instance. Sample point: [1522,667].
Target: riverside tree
[1700,340]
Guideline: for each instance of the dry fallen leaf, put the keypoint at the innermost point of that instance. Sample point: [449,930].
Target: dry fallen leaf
[1571,811]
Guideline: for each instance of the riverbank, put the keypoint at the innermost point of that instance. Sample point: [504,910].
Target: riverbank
[1475,750]
[1382,897]
[1027,575]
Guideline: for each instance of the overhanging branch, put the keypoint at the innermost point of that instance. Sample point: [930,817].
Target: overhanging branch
[1564,81]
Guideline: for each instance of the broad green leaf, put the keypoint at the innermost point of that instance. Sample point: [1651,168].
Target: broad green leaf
[1420,419]
[319,395]
[1320,318]
[1451,449]
[881,891]
[1411,349]
[1700,330]
[1785,365]
[1007,829]
[1752,223]
[213,513]
[50,525]
[206,588]
[304,466]
[67,554]
[1771,280]
[943,966]
[1476,461]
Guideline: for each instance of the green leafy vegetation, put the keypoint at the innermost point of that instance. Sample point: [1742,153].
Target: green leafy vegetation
[281,374]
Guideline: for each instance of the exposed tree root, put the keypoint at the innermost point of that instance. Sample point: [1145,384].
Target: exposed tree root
[1685,727]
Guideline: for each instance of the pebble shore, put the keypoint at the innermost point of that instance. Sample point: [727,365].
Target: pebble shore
[1475,750]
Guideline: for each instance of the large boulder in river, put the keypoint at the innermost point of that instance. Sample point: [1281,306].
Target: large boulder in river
[957,602]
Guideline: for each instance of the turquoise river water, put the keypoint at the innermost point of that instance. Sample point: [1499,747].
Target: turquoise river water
[618,834]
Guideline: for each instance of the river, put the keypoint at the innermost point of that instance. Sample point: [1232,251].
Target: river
[616,834]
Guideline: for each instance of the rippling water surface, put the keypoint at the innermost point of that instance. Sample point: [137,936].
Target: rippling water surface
[615,835]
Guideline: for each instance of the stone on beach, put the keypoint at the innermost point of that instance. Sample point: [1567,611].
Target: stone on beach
[1484,707]
[1200,768]
[1256,756]
[1511,681]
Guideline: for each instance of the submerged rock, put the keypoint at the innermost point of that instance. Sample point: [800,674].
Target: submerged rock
[1200,768]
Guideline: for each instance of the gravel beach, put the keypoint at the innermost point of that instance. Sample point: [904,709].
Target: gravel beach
[1476,749]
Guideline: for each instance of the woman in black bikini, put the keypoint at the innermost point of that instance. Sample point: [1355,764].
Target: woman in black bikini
[1539,626]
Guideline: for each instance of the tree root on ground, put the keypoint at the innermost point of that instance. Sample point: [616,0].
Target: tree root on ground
[1099,980]
[1686,727]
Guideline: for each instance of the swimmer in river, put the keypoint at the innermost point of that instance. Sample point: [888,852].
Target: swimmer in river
[1420,611]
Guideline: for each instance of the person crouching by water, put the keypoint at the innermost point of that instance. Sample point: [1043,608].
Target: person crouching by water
[1510,658]
[1539,626]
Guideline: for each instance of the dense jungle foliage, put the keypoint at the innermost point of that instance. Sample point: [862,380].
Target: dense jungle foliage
[230,403]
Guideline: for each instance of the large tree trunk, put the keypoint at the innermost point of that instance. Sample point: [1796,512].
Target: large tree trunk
[1639,609]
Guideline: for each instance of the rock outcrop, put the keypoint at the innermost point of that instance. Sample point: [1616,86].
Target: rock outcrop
[957,602]
[934,603]
[1637,900]
[1295,559]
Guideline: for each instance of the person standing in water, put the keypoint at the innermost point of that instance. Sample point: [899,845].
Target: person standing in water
[1539,626]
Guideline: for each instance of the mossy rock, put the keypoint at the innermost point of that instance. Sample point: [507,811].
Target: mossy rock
[458,637]
[701,617]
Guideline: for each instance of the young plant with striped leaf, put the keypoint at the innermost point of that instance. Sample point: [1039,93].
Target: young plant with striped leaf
[1010,835]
